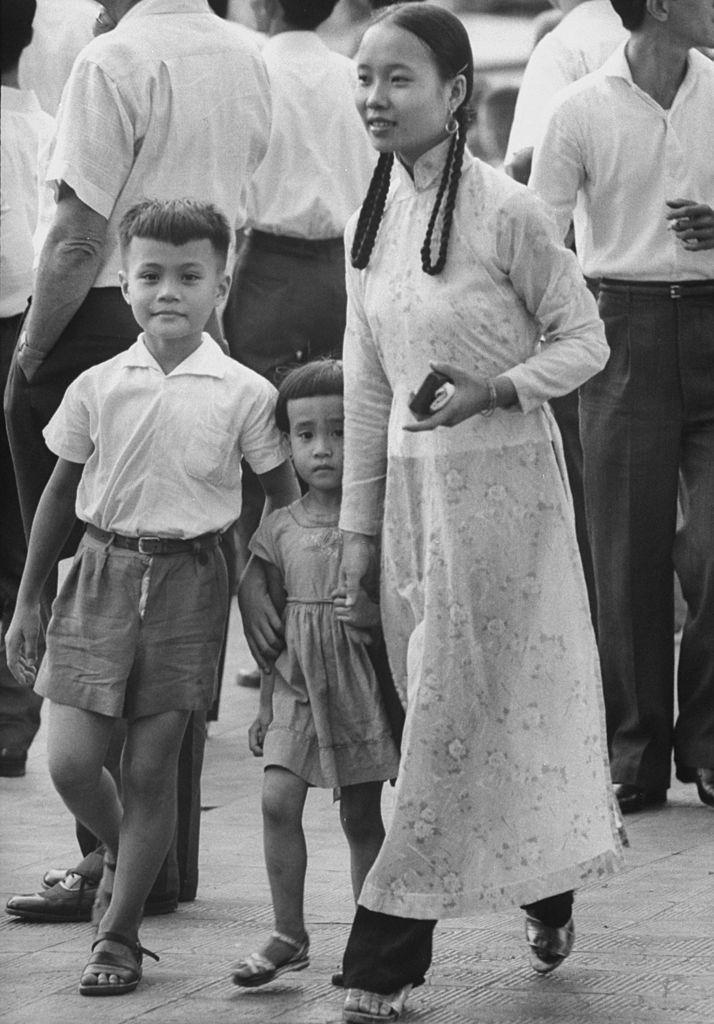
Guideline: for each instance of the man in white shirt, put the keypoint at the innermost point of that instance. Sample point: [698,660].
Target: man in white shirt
[628,154]
[25,131]
[580,43]
[287,302]
[172,102]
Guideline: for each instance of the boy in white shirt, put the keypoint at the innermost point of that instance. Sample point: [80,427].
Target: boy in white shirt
[149,446]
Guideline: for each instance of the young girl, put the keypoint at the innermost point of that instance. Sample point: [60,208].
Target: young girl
[322,721]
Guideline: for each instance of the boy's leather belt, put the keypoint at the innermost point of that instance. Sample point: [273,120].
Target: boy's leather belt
[152,545]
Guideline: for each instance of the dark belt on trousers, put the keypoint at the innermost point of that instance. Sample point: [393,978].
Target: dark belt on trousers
[288,245]
[152,545]
[663,289]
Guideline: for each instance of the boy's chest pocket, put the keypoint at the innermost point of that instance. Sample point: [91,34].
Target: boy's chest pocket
[208,451]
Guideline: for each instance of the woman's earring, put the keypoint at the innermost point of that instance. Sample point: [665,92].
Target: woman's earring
[452,125]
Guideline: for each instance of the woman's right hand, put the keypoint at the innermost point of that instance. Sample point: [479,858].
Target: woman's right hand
[358,555]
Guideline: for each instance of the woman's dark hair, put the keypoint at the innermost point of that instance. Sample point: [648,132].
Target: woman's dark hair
[320,377]
[448,41]
[632,12]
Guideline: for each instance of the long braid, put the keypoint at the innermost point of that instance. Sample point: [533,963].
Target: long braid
[371,212]
[450,178]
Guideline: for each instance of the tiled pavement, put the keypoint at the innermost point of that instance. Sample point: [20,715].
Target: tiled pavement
[644,951]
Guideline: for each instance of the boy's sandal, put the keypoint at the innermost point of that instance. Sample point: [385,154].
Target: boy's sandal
[258,970]
[103,896]
[393,1004]
[104,962]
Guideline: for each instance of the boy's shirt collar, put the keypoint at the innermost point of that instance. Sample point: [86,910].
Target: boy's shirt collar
[207,361]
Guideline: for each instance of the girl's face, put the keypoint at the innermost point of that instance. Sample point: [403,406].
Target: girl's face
[401,96]
[316,440]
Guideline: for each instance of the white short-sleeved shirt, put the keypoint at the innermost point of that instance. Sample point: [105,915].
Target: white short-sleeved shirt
[26,130]
[162,452]
[172,102]
[580,43]
[611,157]
[319,161]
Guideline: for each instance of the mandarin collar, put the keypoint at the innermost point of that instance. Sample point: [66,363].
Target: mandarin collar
[428,168]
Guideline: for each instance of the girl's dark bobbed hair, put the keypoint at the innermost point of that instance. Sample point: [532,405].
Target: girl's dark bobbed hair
[319,377]
[446,38]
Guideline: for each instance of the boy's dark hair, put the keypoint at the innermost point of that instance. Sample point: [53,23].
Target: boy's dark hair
[176,221]
[320,377]
[632,12]
[16,17]
[447,39]
[307,14]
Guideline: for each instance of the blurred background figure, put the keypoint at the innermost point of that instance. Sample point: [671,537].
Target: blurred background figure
[60,30]
[25,132]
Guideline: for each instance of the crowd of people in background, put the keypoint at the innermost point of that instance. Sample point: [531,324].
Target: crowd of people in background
[421,369]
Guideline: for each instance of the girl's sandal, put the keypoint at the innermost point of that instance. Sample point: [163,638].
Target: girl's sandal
[394,1005]
[104,894]
[257,969]
[110,964]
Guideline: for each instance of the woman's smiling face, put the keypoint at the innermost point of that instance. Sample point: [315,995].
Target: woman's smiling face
[401,96]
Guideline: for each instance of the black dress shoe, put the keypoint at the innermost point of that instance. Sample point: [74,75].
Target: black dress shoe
[58,903]
[633,799]
[12,762]
[705,785]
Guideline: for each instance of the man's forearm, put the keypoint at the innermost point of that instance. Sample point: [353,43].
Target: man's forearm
[69,263]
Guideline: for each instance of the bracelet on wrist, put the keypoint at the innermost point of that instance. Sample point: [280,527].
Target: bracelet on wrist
[492,399]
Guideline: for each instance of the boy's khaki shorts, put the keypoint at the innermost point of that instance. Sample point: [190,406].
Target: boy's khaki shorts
[133,635]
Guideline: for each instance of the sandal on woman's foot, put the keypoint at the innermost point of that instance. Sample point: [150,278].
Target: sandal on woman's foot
[107,965]
[258,970]
[104,894]
[548,946]
[362,1007]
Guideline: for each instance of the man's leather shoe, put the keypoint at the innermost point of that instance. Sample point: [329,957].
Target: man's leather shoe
[58,903]
[633,799]
[705,785]
[12,762]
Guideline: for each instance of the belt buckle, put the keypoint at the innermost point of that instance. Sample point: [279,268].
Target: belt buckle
[154,544]
[675,291]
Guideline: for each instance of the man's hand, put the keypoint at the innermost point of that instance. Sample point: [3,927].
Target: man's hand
[692,223]
[29,359]
[21,644]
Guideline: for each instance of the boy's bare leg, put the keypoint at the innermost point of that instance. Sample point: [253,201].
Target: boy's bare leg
[77,742]
[285,856]
[361,817]
[148,780]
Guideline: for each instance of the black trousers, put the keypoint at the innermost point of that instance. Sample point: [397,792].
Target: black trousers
[384,952]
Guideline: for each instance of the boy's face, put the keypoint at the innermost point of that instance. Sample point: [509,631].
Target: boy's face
[316,440]
[173,289]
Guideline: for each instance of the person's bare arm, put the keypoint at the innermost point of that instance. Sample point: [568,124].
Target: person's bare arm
[262,622]
[69,264]
[51,527]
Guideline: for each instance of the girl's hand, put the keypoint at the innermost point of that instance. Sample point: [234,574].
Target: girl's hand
[471,396]
[692,223]
[258,730]
[21,644]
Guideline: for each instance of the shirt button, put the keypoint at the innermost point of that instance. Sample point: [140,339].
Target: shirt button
[300,355]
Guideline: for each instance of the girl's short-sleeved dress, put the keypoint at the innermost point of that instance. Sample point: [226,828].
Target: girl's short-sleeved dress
[329,725]
[503,795]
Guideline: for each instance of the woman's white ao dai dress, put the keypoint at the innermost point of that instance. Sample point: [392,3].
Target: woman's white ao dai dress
[504,794]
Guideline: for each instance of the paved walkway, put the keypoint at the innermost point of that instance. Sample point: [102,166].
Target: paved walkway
[645,941]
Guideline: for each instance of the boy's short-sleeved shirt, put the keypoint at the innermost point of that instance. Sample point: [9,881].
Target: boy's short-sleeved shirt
[162,452]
